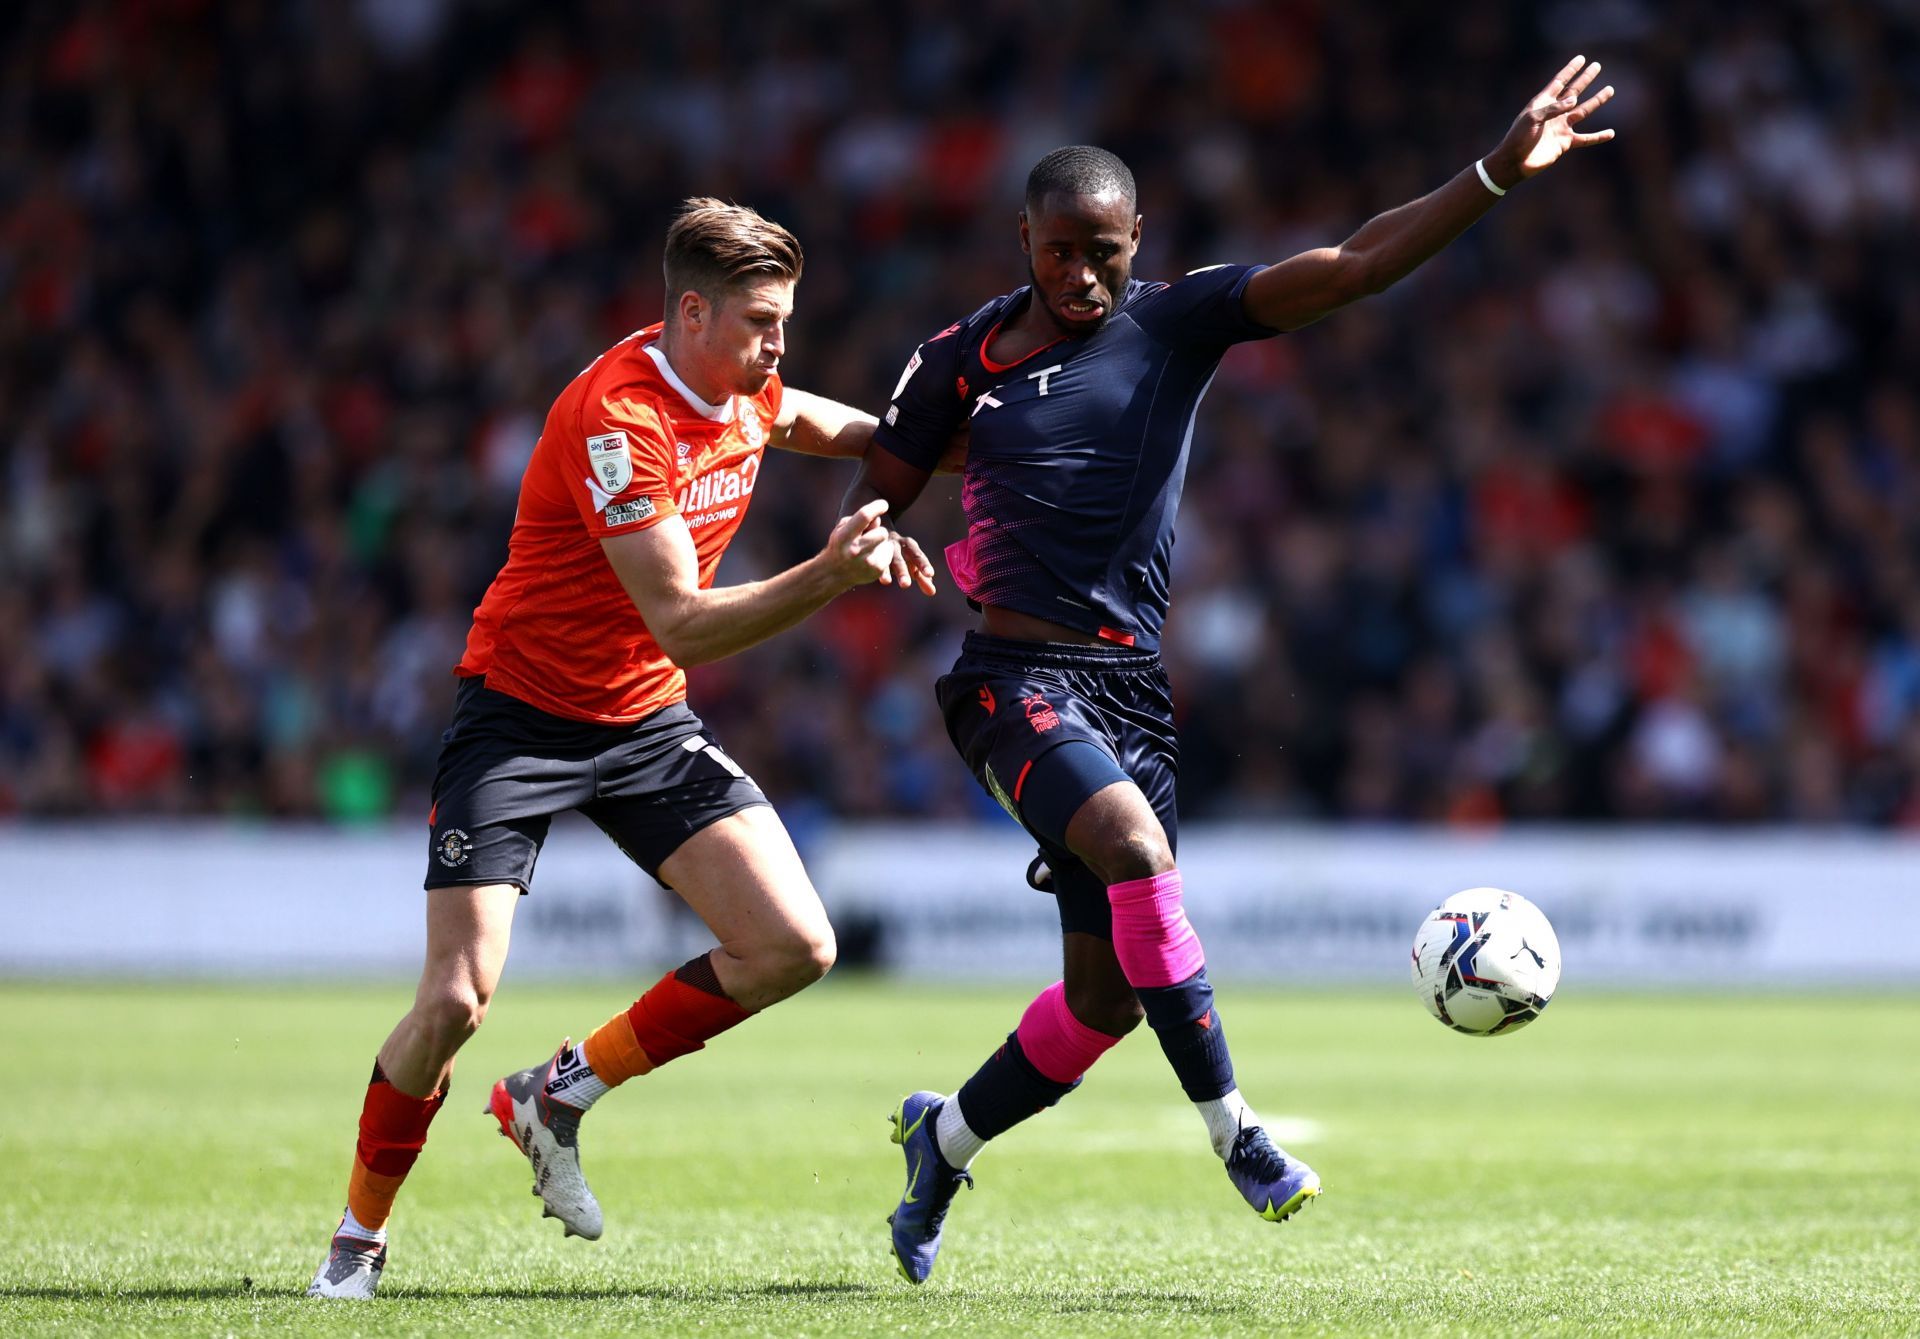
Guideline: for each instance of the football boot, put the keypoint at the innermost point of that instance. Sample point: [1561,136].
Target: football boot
[1273,1183]
[351,1269]
[548,1133]
[931,1186]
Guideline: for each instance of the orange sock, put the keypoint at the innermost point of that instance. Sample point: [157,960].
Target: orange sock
[393,1129]
[613,1052]
[683,1011]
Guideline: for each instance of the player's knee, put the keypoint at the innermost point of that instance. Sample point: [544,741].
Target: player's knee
[453,1014]
[1135,855]
[795,960]
[814,954]
[1104,1008]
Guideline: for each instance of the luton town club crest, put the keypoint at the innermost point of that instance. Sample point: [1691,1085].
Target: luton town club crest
[455,847]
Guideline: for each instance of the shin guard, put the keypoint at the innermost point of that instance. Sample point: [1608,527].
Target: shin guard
[393,1130]
[1059,1045]
[1184,1019]
[1008,1089]
[1151,937]
[1163,962]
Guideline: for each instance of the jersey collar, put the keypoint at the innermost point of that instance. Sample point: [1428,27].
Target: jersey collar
[719,413]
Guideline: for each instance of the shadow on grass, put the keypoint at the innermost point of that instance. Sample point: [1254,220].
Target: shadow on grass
[1117,1302]
[1143,1301]
[108,1292]
[664,1292]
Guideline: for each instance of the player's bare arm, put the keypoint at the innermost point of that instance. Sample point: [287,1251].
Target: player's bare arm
[886,479]
[660,570]
[1302,289]
[813,425]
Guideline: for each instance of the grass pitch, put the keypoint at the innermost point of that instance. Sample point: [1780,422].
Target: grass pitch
[176,1156]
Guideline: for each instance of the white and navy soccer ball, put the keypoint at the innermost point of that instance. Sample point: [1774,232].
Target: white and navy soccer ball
[1486,962]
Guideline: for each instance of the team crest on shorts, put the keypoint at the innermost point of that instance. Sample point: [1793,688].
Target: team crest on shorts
[1040,714]
[455,847]
[612,465]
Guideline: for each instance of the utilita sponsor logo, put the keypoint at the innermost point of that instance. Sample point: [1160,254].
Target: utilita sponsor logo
[716,488]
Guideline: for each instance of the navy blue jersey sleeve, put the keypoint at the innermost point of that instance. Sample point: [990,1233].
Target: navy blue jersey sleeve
[926,407]
[1204,307]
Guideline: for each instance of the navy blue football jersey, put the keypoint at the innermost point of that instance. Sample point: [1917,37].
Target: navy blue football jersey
[1077,452]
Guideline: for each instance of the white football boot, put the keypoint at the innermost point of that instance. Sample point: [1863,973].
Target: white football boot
[351,1269]
[548,1132]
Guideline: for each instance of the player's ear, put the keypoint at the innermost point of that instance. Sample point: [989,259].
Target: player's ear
[1026,242]
[1137,220]
[692,309]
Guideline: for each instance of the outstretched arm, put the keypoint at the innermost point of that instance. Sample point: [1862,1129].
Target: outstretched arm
[1300,290]
[813,425]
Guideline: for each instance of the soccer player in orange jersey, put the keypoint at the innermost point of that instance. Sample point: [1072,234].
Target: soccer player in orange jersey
[571,696]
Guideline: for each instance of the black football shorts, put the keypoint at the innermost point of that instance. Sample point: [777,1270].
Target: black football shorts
[506,768]
[1010,706]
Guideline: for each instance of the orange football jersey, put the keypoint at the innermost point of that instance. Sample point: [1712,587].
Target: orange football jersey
[626,445]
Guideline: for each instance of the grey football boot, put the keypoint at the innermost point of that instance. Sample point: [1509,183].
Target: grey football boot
[351,1269]
[548,1132]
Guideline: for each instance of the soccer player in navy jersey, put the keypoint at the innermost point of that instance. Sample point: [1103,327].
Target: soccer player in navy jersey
[1079,391]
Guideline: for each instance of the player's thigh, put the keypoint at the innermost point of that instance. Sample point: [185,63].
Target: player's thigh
[469,927]
[1130,831]
[1139,712]
[664,782]
[743,877]
[1031,739]
[505,769]
[1117,834]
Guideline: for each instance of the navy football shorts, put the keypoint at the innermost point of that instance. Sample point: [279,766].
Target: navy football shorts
[506,768]
[1009,705]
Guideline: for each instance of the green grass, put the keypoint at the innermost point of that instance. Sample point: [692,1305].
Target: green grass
[175,1157]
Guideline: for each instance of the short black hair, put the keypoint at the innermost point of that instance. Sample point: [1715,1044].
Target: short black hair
[1079,169]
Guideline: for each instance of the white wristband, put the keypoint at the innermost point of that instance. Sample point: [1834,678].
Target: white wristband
[1480,166]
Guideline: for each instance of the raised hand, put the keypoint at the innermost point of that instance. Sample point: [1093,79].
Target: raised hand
[861,549]
[911,566]
[1545,131]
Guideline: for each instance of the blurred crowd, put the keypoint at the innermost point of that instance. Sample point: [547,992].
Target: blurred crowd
[1612,511]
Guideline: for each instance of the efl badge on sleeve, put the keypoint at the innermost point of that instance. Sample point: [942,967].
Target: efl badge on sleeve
[612,465]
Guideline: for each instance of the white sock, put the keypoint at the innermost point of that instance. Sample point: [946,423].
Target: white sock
[572,1081]
[1224,1117]
[353,1227]
[958,1144]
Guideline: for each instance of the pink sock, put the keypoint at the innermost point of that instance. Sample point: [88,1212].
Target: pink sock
[1056,1043]
[1151,937]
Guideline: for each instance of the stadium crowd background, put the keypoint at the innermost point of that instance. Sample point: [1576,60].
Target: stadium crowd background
[1612,511]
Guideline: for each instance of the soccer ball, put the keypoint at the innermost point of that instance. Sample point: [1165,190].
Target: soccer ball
[1486,962]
